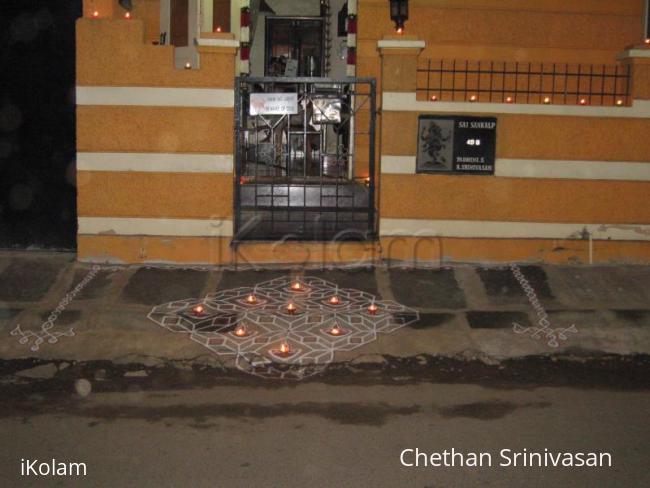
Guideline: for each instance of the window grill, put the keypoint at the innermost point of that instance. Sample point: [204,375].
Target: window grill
[523,82]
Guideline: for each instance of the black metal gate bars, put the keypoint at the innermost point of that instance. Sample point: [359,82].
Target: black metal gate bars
[295,161]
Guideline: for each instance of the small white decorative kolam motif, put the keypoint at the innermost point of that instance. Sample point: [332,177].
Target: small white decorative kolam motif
[277,329]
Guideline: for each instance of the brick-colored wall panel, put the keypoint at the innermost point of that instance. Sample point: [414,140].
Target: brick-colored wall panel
[154,129]
[447,197]
[154,195]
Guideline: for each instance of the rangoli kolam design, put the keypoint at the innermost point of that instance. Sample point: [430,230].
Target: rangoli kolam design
[284,328]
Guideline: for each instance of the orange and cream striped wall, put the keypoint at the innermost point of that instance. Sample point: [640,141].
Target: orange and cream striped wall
[155,145]
[572,182]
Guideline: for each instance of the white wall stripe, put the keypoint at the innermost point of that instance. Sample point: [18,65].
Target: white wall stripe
[157,97]
[218,42]
[155,162]
[155,227]
[579,170]
[512,230]
[533,168]
[407,102]
[633,53]
[400,44]
[398,165]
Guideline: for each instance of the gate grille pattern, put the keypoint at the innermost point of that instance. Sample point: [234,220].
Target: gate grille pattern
[295,173]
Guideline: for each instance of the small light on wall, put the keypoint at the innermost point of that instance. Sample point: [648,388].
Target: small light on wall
[96,14]
[473,98]
[509,100]
[619,103]
[188,65]
[399,13]
[547,100]
[583,101]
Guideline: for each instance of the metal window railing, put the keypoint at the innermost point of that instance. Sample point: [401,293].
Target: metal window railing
[523,82]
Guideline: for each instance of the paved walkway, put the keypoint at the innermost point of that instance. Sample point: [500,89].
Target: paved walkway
[465,311]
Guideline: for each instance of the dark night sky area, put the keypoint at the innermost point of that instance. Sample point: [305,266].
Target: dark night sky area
[37,123]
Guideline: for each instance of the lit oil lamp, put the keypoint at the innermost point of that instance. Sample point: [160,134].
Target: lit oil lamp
[335,330]
[297,286]
[251,299]
[373,308]
[95,14]
[334,300]
[127,15]
[198,310]
[241,330]
[291,308]
[284,348]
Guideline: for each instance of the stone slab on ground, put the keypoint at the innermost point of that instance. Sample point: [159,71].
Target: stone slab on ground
[7,315]
[432,320]
[503,288]
[601,286]
[496,320]
[28,279]
[95,288]
[633,317]
[237,279]
[360,279]
[144,287]
[426,288]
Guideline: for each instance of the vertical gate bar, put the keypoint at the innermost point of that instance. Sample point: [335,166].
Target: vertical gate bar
[541,82]
[371,163]
[491,78]
[591,79]
[602,85]
[440,83]
[237,148]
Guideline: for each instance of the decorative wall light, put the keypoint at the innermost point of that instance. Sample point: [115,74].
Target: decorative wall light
[399,13]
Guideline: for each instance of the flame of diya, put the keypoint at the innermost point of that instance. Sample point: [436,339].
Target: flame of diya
[334,300]
[198,310]
[335,330]
[241,331]
[372,309]
[291,308]
[284,348]
[251,299]
[296,286]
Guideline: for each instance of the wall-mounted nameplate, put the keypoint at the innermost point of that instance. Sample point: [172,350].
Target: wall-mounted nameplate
[273,103]
[456,144]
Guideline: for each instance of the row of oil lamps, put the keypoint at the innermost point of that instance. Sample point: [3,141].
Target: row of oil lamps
[285,349]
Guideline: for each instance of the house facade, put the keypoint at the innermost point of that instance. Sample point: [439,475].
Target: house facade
[247,131]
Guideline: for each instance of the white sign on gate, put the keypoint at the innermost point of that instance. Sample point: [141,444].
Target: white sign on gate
[273,103]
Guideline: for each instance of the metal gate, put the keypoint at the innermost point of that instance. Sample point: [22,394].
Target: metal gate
[297,174]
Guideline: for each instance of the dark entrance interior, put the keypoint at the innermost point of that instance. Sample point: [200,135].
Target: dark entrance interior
[295,163]
[294,46]
[37,123]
